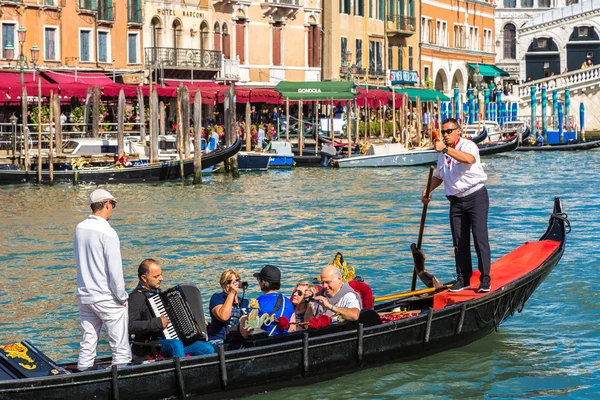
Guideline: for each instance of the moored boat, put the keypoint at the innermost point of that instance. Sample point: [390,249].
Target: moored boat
[162,171]
[571,146]
[499,146]
[433,322]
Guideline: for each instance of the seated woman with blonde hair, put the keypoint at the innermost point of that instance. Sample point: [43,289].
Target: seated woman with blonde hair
[225,307]
[300,294]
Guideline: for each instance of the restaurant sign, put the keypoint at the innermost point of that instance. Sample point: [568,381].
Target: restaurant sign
[401,76]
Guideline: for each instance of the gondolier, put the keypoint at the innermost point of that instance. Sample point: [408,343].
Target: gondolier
[100,285]
[461,172]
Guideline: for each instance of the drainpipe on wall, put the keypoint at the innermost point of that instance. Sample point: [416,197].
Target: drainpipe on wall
[419,37]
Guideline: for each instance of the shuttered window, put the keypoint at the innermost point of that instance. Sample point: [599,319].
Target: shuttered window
[240,44]
[276,44]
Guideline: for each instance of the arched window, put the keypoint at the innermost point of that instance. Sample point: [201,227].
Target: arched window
[203,36]
[226,42]
[510,42]
[217,37]
[177,34]
[155,29]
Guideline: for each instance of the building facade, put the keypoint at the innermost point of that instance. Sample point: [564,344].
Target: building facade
[84,35]
[364,38]
[271,40]
[539,38]
[178,40]
[455,34]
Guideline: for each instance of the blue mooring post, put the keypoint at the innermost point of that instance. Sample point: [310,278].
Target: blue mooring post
[555,108]
[544,105]
[567,108]
[486,102]
[533,112]
[581,121]
[561,134]
[500,106]
[471,105]
[456,101]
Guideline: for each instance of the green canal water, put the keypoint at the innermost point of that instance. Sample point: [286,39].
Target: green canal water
[298,220]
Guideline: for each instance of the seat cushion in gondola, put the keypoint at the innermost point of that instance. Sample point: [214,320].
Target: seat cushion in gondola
[505,270]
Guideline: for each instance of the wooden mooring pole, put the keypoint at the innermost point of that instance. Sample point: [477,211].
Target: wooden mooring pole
[25,128]
[121,124]
[51,141]
[197,138]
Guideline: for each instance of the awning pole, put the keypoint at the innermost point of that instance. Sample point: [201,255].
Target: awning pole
[287,119]
[300,128]
[331,122]
[316,127]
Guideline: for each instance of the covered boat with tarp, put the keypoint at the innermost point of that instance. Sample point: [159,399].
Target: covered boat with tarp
[401,327]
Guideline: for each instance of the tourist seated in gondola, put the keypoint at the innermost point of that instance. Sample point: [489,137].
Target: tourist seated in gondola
[301,294]
[226,308]
[277,306]
[336,298]
[539,140]
[149,329]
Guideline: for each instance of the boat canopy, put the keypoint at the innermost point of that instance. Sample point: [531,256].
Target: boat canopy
[423,94]
[317,90]
[489,70]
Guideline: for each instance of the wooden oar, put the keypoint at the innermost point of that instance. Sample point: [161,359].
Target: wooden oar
[418,254]
[408,294]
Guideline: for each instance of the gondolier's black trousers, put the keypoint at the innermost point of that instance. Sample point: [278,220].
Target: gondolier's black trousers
[470,213]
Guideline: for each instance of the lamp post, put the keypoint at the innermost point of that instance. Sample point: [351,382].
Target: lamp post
[22,62]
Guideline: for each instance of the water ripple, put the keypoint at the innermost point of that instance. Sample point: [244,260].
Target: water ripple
[299,220]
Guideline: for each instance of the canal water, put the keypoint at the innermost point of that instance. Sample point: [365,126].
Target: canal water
[299,220]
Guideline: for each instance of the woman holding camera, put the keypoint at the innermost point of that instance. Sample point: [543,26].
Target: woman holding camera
[225,307]
[301,294]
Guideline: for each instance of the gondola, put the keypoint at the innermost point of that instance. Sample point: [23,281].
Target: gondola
[500,146]
[440,320]
[576,145]
[163,171]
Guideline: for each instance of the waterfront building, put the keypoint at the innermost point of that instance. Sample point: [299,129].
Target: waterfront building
[82,35]
[266,42]
[179,40]
[362,39]
[456,36]
[536,39]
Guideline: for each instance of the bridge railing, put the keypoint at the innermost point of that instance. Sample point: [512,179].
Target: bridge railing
[572,80]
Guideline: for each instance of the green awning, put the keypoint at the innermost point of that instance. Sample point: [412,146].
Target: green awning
[489,70]
[423,94]
[316,90]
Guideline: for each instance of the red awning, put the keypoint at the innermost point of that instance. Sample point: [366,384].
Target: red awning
[93,79]
[14,78]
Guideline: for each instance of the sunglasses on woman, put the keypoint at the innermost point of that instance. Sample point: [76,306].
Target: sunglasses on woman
[230,281]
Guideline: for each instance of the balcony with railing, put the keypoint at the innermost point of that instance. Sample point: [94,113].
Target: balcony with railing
[284,3]
[168,57]
[401,25]
[230,70]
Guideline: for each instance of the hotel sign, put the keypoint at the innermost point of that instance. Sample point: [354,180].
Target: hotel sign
[401,76]
[184,13]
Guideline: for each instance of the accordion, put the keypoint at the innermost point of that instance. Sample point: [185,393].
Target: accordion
[183,323]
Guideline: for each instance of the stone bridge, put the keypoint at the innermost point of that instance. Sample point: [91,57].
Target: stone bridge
[584,87]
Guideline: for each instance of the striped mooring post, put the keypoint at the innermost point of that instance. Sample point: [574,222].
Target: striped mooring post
[544,105]
[533,111]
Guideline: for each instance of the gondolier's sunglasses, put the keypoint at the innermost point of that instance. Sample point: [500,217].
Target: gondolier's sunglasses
[448,131]
[113,204]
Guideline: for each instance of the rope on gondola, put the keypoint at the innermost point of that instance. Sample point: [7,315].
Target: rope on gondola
[529,289]
[496,306]
[562,217]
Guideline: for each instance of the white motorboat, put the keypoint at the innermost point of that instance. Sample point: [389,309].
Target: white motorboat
[390,155]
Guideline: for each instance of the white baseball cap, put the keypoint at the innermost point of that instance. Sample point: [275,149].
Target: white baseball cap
[101,195]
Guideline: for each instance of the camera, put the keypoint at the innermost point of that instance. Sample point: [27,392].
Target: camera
[308,299]
[244,285]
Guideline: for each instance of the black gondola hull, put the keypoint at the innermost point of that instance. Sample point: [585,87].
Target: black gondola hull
[143,173]
[305,357]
